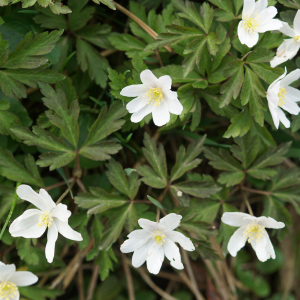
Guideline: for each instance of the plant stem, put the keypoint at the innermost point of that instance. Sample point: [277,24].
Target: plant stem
[247,203]
[128,278]
[93,283]
[65,193]
[11,210]
[256,191]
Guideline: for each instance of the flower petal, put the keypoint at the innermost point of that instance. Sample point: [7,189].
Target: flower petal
[274,114]
[273,84]
[27,214]
[51,240]
[25,192]
[287,30]
[148,225]
[65,230]
[16,296]
[134,90]
[292,93]
[23,278]
[266,15]
[141,114]
[169,222]
[148,78]
[161,114]
[290,78]
[248,8]
[283,119]
[181,239]
[251,39]
[260,5]
[259,246]
[6,271]
[237,241]
[137,238]
[242,33]
[172,254]
[137,104]
[278,61]
[297,22]
[47,199]
[61,212]
[269,247]
[291,107]
[269,222]
[236,219]
[140,254]
[175,107]
[165,82]
[270,25]
[155,258]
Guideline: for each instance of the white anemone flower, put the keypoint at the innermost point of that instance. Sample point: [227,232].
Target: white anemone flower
[34,222]
[253,230]
[10,280]
[281,96]
[155,241]
[290,47]
[256,18]
[153,96]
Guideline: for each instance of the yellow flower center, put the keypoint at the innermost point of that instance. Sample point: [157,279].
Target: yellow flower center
[8,290]
[45,219]
[296,38]
[281,96]
[155,96]
[254,232]
[158,237]
[251,24]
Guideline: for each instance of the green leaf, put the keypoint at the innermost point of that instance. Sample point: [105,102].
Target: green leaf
[48,20]
[155,202]
[55,160]
[231,178]
[223,4]
[150,177]
[186,159]
[8,120]
[39,293]
[109,3]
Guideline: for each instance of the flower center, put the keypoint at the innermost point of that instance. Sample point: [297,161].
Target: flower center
[158,237]
[296,38]
[251,24]
[281,97]
[8,290]
[45,219]
[254,232]
[155,96]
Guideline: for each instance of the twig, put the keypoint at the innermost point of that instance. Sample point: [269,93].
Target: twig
[93,283]
[192,276]
[128,278]
[81,185]
[256,191]
[53,186]
[108,52]
[65,193]
[148,29]
[247,203]
[80,285]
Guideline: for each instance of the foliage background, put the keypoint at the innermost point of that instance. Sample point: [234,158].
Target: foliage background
[63,122]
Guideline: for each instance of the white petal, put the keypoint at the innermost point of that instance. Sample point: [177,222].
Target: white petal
[293,48]
[27,214]
[25,192]
[148,225]
[248,8]
[172,254]
[6,271]
[259,247]
[134,90]
[61,212]
[287,30]
[51,240]
[141,114]
[297,21]
[237,241]
[273,84]
[137,238]
[269,222]
[47,199]
[175,107]
[27,228]
[274,114]
[165,82]
[269,247]
[140,254]
[16,296]
[290,78]
[169,222]
[137,104]
[283,119]
[182,240]
[260,5]
[291,107]
[266,15]
[148,78]
[65,230]
[251,39]
[270,25]
[242,33]
[155,258]
[236,219]
[23,278]
[161,114]
[278,61]
[292,93]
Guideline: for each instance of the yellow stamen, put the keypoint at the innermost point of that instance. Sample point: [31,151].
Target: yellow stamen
[155,96]
[8,290]
[45,219]
[159,237]
[296,38]
[281,96]
[254,231]
[251,23]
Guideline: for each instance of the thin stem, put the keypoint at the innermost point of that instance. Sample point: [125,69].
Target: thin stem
[53,186]
[81,185]
[65,193]
[256,191]
[93,283]
[157,214]
[11,210]
[128,278]
[247,203]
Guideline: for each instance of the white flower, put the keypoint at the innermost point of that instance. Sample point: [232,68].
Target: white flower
[281,96]
[289,48]
[155,241]
[253,230]
[34,222]
[153,96]
[10,280]
[256,18]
